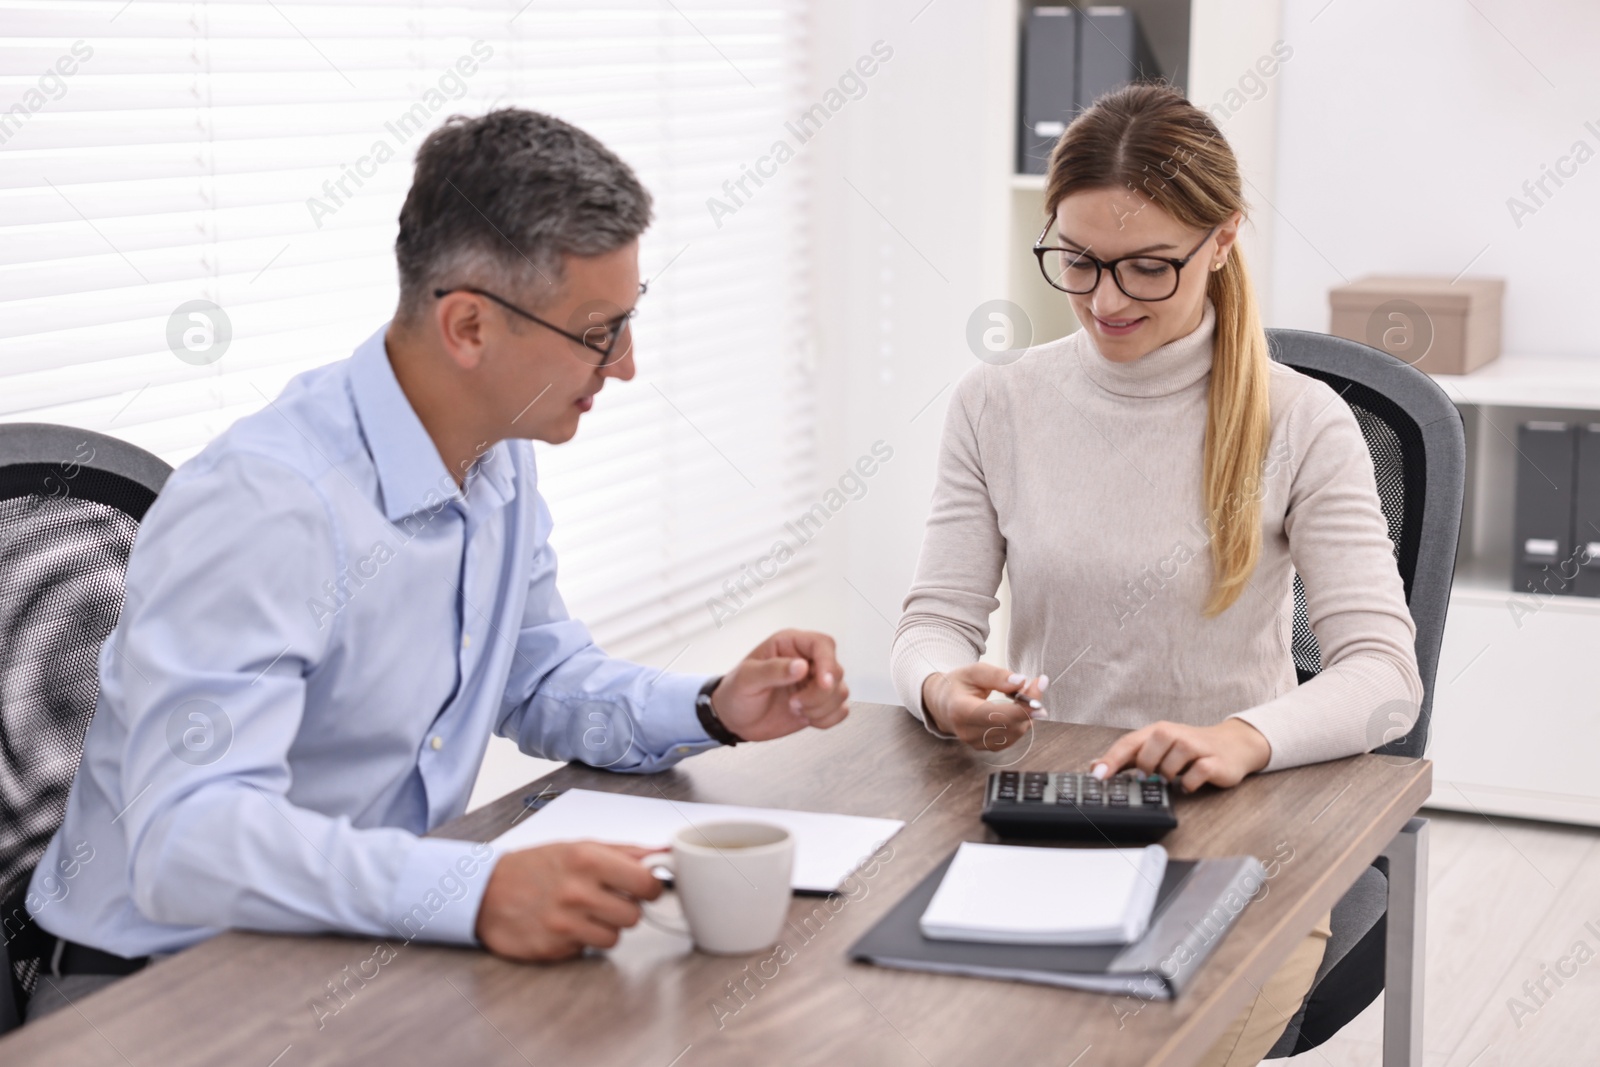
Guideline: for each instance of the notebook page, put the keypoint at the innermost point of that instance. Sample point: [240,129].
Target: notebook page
[1027,895]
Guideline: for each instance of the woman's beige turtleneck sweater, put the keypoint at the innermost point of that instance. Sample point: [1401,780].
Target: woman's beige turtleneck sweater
[1082,477]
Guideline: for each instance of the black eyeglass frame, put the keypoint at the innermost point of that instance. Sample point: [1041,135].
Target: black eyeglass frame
[614,326]
[1039,249]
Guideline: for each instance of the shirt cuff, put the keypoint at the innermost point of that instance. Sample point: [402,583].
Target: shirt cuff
[671,730]
[440,888]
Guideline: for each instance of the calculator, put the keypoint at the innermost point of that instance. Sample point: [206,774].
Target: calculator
[1127,807]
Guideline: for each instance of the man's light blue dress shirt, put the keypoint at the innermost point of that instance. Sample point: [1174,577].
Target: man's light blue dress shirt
[320,632]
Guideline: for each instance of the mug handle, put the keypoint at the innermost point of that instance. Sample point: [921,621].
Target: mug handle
[662,861]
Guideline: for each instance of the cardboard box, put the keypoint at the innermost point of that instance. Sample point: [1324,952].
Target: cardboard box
[1436,325]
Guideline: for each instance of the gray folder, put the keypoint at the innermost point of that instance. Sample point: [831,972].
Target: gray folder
[1112,52]
[1049,84]
[1197,905]
[1586,511]
[1543,561]
[1070,57]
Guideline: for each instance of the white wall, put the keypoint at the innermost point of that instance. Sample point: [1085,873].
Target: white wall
[1235,74]
[911,222]
[1404,129]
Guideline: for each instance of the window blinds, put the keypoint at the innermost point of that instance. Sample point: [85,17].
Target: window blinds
[254,156]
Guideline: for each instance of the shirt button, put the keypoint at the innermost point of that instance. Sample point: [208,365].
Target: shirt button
[466,640]
[682,748]
[437,742]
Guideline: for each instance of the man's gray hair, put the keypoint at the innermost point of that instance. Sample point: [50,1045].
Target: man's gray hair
[497,202]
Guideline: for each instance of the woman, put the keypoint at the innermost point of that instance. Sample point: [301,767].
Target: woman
[1152,483]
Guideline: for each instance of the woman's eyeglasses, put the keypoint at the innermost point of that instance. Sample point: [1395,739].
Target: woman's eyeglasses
[1144,278]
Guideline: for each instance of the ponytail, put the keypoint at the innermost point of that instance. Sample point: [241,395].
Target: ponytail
[1238,424]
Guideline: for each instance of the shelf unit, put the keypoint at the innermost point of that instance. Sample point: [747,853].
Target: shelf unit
[1514,719]
[1563,382]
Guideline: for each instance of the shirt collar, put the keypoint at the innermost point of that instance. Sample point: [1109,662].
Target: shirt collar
[494,473]
[411,475]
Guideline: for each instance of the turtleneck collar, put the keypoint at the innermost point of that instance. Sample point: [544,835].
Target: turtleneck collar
[1168,369]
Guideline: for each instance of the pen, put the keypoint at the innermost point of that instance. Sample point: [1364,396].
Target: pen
[1028,702]
[1035,707]
[538,800]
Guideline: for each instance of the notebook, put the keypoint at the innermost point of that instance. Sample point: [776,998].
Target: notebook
[1197,903]
[1019,895]
[827,848]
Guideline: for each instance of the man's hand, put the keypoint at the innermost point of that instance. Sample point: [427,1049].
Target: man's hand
[547,903]
[958,704]
[1190,755]
[790,681]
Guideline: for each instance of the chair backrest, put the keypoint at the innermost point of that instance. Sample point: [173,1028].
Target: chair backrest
[1419,455]
[70,505]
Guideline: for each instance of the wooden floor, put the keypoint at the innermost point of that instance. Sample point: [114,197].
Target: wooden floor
[1506,897]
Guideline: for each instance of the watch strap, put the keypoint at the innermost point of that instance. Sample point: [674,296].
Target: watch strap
[709,722]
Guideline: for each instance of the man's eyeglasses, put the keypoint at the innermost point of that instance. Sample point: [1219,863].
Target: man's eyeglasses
[598,339]
[1146,278]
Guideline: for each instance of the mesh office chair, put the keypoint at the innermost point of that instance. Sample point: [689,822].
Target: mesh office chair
[1418,449]
[70,505]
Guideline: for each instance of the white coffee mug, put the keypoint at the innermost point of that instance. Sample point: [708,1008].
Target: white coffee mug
[732,880]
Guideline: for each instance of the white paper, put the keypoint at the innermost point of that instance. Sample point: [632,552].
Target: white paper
[1011,894]
[827,848]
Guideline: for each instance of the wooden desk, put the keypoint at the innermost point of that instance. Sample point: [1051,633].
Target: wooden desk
[651,1002]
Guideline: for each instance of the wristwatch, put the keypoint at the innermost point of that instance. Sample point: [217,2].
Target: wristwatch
[708,715]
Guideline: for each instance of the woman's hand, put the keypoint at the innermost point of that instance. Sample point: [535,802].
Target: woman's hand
[1190,755]
[958,704]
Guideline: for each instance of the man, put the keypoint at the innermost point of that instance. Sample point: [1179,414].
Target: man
[331,606]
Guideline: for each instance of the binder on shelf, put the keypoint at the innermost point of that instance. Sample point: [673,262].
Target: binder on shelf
[1049,84]
[1586,511]
[1112,52]
[1543,560]
[1196,906]
[1070,57]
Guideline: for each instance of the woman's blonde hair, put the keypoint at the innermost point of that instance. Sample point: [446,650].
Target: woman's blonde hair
[1147,138]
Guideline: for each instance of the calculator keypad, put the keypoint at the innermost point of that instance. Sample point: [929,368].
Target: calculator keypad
[1130,806]
[1128,790]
